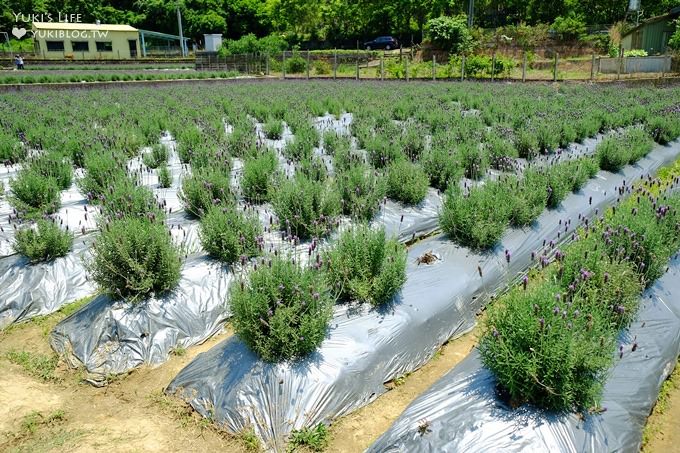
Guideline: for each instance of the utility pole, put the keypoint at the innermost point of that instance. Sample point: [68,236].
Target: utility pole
[471,13]
[181,34]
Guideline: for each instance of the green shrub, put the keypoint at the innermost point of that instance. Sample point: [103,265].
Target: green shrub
[473,160]
[283,310]
[133,258]
[204,188]
[321,67]
[476,219]
[164,177]
[101,172]
[296,64]
[526,144]
[529,198]
[362,190]
[273,129]
[33,194]
[54,165]
[258,173]
[156,157]
[621,149]
[127,199]
[241,141]
[306,208]
[559,184]
[543,357]
[501,153]
[303,143]
[441,167]
[569,27]
[663,129]
[406,182]
[364,266]
[11,149]
[44,243]
[228,234]
[450,33]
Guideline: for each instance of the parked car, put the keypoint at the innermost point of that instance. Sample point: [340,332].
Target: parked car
[382,42]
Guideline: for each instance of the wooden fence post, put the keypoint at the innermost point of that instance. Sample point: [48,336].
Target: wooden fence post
[557,62]
[462,68]
[434,67]
[335,63]
[406,69]
[266,64]
[382,66]
[357,74]
[283,64]
[524,67]
[493,66]
[592,68]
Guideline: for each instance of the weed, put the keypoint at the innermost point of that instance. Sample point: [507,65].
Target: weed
[37,365]
[315,439]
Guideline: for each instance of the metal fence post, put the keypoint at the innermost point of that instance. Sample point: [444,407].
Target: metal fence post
[382,67]
[335,63]
[493,66]
[283,64]
[592,68]
[557,62]
[434,67]
[462,68]
[620,65]
[524,67]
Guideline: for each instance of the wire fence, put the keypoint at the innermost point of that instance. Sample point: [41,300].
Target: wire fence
[404,66]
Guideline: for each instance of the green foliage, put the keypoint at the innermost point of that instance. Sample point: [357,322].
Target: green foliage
[44,243]
[663,128]
[271,44]
[550,359]
[365,266]
[204,188]
[228,234]
[54,165]
[674,41]
[473,160]
[362,189]
[33,194]
[283,310]
[621,149]
[450,33]
[101,172]
[569,27]
[11,149]
[478,218]
[321,67]
[258,172]
[296,64]
[164,177]
[635,53]
[551,342]
[40,366]
[127,199]
[314,439]
[156,157]
[303,143]
[526,143]
[406,182]
[134,258]
[273,129]
[306,208]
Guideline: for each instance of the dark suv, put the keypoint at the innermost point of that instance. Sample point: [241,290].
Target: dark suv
[382,42]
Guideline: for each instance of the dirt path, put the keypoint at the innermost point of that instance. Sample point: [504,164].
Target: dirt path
[662,433]
[63,414]
[357,431]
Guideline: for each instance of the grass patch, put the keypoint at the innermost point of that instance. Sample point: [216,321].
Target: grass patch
[310,439]
[37,365]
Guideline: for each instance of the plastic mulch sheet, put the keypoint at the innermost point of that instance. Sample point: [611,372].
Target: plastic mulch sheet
[462,411]
[30,290]
[366,348]
[110,337]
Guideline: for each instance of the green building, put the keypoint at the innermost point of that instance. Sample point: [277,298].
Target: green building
[653,34]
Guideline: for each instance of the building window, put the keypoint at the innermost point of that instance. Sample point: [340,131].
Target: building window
[80,46]
[104,46]
[55,46]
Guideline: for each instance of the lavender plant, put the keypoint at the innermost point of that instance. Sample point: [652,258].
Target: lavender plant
[44,242]
[282,310]
[204,188]
[229,235]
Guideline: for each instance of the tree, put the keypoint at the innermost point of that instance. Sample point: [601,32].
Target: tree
[450,33]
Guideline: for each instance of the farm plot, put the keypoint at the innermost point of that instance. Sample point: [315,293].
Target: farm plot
[248,202]
[601,402]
